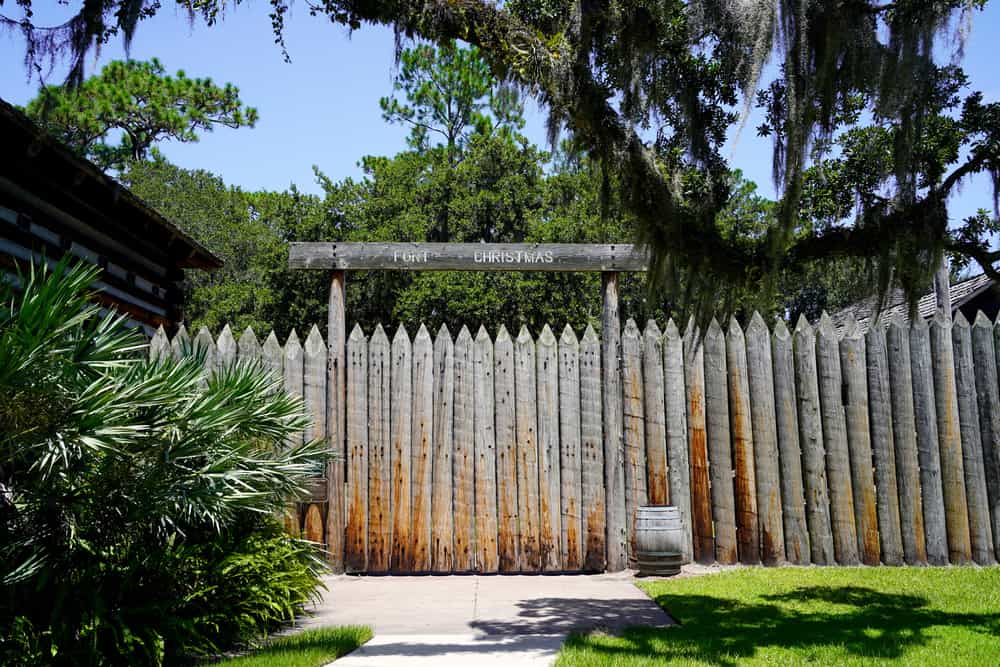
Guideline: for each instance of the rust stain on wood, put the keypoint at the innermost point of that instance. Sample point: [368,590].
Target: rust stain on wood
[746,498]
[594,560]
[572,538]
[701,499]
[314,524]
[869,538]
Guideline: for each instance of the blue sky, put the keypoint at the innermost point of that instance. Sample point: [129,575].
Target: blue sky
[323,109]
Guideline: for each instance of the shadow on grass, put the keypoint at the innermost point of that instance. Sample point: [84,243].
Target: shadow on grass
[722,631]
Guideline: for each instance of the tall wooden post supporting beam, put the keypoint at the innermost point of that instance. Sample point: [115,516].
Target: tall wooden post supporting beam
[614,444]
[335,406]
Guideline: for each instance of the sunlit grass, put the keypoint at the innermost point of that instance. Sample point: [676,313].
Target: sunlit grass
[309,648]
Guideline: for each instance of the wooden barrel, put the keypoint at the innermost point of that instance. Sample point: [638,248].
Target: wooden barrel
[659,540]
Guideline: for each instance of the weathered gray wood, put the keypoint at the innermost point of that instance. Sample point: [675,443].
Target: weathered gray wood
[657,480]
[380,445]
[571,477]
[248,350]
[294,368]
[719,451]
[526,399]
[508,542]
[956,509]
[928,454]
[465,454]
[336,349]
[442,513]
[467,256]
[592,453]
[702,531]
[793,499]
[853,365]
[838,464]
[422,450]
[980,532]
[204,345]
[356,540]
[225,347]
[401,432]
[675,414]
[745,478]
[988,396]
[180,345]
[633,411]
[614,443]
[760,379]
[273,357]
[487,559]
[159,346]
[549,515]
[883,449]
[821,549]
[904,438]
[314,383]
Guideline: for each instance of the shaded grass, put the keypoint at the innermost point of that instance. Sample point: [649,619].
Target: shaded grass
[825,616]
[309,648]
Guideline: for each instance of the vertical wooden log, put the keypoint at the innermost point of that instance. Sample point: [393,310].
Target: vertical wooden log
[760,378]
[205,346]
[248,351]
[702,530]
[442,484]
[675,414]
[745,479]
[813,453]
[793,498]
[928,454]
[314,383]
[508,543]
[633,412]
[853,365]
[159,346]
[883,449]
[526,412]
[487,559]
[980,532]
[180,346]
[614,443]
[904,438]
[336,341]
[657,475]
[719,452]
[465,454]
[956,509]
[549,514]
[225,347]
[380,448]
[988,396]
[356,541]
[571,477]
[592,453]
[838,463]
[294,368]
[401,432]
[422,451]
[273,358]
[313,525]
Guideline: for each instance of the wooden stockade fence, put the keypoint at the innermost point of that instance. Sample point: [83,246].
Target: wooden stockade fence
[509,453]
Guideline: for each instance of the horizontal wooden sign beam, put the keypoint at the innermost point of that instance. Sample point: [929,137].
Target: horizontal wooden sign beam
[467,256]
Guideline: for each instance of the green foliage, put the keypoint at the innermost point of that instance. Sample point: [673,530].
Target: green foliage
[143,104]
[129,489]
[310,648]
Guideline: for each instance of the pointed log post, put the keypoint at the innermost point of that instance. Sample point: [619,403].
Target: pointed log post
[633,412]
[336,345]
[248,350]
[527,452]
[422,451]
[745,479]
[719,447]
[226,349]
[273,357]
[356,542]
[549,514]
[793,498]
[487,559]
[678,459]
[813,453]
[294,367]
[614,442]
[702,532]
[465,454]
[592,453]
[159,346]
[379,448]
[988,396]
[508,545]
[180,346]
[657,479]
[570,455]
[442,509]
[205,345]
[401,432]
[314,384]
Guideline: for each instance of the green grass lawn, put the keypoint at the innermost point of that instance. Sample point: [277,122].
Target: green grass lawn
[819,616]
[309,648]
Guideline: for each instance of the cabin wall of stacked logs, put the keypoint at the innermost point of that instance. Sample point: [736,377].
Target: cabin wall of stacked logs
[504,454]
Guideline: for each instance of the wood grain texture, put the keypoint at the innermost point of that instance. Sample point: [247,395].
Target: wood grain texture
[464,460]
[487,558]
[592,453]
[956,509]
[614,442]
[883,448]
[745,478]
[313,525]
[633,410]
[159,346]
[336,349]
[821,549]
[314,383]
[793,498]
[702,530]
[204,345]
[549,513]
[401,433]
[442,479]
[356,541]
[180,345]
[526,400]
[249,351]
[719,448]
[273,357]
[657,470]
[980,531]
[570,454]
[294,369]
[422,451]
[838,462]
[988,396]
[380,448]
[225,347]
[508,542]
[760,379]
[675,414]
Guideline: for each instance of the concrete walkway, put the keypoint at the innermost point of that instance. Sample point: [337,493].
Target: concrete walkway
[478,620]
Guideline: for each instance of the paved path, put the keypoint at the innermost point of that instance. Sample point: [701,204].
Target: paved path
[478,620]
